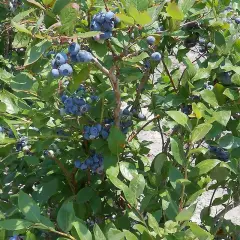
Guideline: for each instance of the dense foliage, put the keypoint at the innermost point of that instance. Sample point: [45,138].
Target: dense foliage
[76,81]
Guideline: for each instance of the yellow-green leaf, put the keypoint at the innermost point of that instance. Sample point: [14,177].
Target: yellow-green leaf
[124,18]
[174,11]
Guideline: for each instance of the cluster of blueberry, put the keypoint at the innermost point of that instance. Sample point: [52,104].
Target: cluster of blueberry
[15,237]
[13,4]
[220,153]
[204,45]
[156,56]
[22,144]
[104,22]
[60,67]
[74,105]
[94,163]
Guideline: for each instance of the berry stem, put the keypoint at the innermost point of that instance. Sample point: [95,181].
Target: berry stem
[106,7]
[169,75]
[132,136]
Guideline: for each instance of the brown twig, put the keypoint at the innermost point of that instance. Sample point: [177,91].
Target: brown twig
[106,7]
[131,137]
[71,183]
[115,85]
[169,75]
[161,133]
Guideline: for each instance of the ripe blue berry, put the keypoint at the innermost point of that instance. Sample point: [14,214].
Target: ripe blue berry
[108,26]
[106,35]
[151,40]
[100,17]
[95,26]
[156,56]
[65,70]
[83,166]
[77,164]
[1,129]
[104,134]
[237,20]
[54,64]
[84,108]
[141,117]
[55,73]
[73,48]
[89,162]
[109,16]
[84,56]
[61,58]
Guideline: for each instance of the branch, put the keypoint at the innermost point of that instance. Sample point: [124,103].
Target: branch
[140,88]
[68,176]
[169,75]
[115,85]
[161,133]
[131,137]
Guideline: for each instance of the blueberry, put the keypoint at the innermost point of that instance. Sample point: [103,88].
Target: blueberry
[97,37]
[95,159]
[109,16]
[73,48]
[156,56]
[94,132]
[202,41]
[86,136]
[65,70]
[54,64]
[151,40]
[84,56]
[84,166]
[147,64]
[89,162]
[74,58]
[68,102]
[125,130]
[126,112]
[77,164]
[99,127]
[61,58]
[104,134]
[128,123]
[108,26]
[95,26]
[100,17]
[84,108]
[225,78]
[99,170]
[14,238]
[1,129]
[105,35]
[94,98]
[95,166]
[209,45]
[237,20]
[86,129]
[141,117]
[79,101]
[117,21]
[55,73]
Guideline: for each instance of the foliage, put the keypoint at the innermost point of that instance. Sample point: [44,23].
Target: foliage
[75,79]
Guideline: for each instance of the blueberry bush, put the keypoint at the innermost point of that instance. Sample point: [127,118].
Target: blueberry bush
[79,80]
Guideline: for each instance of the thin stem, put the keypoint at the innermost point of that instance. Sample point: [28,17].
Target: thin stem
[169,75]
[105,3]
[131,137]
[115,85]
[161,133]
[67,174]
[211,201]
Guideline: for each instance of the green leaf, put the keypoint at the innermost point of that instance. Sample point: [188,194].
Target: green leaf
[200,132]
[22,15]
[28,207]
[45,189]
[185,5]
[180,118]
[174,12]
[20,28]
[128,170]
[15,224]
[66,216]
[111,165]
[30,236]
[209,97]
[88,34]
[158,162]
[177,150]
[82,231]
[199,232]
[135,189]
[37,4]
[47,222]
[204,167]
[231,94]
[68,18]
[5,76]
[194,197]
[31,160]
[84,195]
[138,58]
[36,51]
[140,5]
[116,140]
[59,5]
[2,234]
[168,205]
[129,235]
[115,234]
[98,234]
[186,214]
[229,141]
[124,18]
[117,183]
[141,18]
[78,78]
[197,111]
[152,222]
[222,117]
[22,81]
[21,40]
